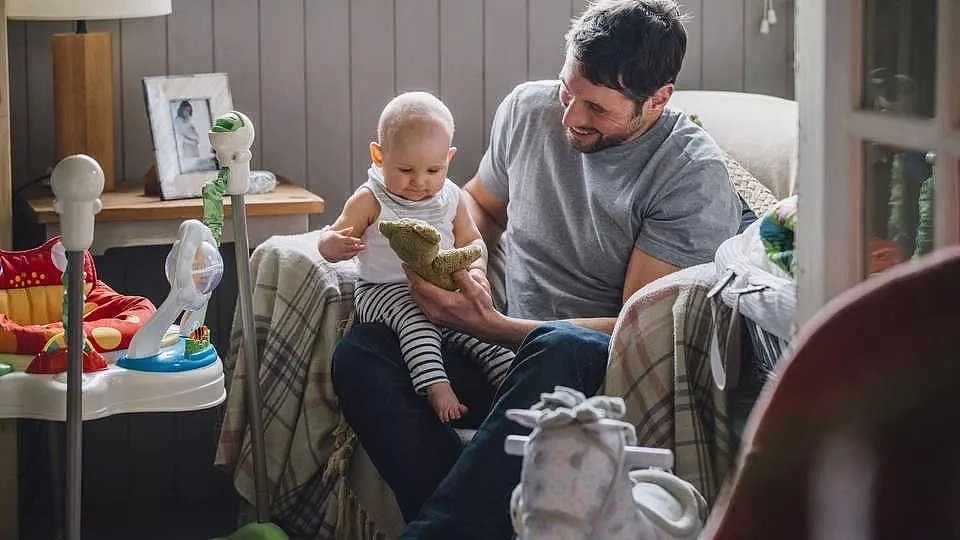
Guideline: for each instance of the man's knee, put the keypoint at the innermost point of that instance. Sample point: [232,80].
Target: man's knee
[567,341]
[563,353]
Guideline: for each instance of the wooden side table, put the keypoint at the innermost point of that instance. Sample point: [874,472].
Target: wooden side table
[130,218]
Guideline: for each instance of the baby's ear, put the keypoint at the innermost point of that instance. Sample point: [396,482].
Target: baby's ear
[450,153]
[376,153]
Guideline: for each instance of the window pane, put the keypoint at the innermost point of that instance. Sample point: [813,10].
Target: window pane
[898,205]
[899,56]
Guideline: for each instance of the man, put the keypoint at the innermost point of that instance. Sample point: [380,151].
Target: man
[601,189]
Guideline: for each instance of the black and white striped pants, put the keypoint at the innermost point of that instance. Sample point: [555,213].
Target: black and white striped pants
[420,339]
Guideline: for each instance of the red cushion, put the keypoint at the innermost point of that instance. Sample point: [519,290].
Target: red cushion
[110,319]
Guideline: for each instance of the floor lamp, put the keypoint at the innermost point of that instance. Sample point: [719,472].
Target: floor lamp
[83,73]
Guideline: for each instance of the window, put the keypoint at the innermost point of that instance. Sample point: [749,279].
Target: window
[879,98]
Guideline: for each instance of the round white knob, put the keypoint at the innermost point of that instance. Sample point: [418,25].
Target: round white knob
[231,136]
[77,182]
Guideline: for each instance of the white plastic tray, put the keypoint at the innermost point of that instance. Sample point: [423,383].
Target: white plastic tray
[112,391]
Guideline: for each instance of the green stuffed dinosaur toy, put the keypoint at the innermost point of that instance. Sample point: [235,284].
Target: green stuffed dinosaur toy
[417,243]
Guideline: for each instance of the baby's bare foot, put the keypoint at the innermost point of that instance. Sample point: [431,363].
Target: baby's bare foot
[444,401]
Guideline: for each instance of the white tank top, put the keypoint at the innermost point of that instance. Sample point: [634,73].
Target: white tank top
[378,263]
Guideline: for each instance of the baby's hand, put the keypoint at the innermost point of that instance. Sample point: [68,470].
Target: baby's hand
[338,246]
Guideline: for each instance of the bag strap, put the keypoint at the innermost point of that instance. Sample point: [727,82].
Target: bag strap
[725,365]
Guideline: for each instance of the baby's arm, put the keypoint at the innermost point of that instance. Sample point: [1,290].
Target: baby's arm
[342,240]
[465,232]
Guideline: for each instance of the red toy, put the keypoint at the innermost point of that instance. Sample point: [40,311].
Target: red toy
[31,299]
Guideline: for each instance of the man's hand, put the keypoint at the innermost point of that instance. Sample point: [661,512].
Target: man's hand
[338,246]
[480,276]
[469,310]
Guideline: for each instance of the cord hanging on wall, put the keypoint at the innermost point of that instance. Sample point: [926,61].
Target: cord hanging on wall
[769,17]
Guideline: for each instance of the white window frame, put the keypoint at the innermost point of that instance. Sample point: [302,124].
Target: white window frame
[832,130]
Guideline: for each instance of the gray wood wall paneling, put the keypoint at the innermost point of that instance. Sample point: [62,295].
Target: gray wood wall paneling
[39,72]
[790,28]
[461,81]
[505,52]
[140,56]
[372,43]
[282,127]
[547,19]
[722,58]
[767,55]
[329,140]
[417,46]
[691,74]
[190,37]
[236,52]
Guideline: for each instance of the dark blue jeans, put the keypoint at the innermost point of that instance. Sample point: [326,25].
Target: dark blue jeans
[446,490]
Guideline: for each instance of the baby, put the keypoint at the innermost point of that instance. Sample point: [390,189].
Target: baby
[408,180]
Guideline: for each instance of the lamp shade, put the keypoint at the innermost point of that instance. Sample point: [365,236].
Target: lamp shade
[77,10]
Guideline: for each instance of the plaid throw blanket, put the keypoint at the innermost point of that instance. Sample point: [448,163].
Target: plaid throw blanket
[660,365]
[301,305]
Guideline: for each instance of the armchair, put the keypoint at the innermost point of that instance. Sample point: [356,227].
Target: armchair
[321,481]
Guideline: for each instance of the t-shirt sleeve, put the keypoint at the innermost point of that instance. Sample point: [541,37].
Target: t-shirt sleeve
[687,224]
[494,163]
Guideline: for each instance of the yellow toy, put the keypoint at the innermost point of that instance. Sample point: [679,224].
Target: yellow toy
[417,243]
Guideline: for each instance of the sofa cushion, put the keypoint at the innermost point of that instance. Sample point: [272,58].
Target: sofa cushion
[759,131]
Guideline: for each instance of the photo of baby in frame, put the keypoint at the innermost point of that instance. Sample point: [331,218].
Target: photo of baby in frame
[181,109]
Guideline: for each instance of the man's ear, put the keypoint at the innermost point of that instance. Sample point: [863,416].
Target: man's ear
[450,153]
[376,153]
[659,99]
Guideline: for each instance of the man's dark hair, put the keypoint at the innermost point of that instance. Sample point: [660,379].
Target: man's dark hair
[631,46]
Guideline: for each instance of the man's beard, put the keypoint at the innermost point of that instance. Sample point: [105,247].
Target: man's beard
[608,141]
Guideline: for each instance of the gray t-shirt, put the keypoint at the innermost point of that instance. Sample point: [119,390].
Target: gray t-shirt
[573,219]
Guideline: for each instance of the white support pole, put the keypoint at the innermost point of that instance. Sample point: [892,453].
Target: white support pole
[77,182]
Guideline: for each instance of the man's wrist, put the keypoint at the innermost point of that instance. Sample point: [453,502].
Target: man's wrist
[507,331]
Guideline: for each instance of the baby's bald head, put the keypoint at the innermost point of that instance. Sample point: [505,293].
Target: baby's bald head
[420,109]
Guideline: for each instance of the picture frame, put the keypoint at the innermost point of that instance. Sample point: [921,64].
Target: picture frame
[181,109]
